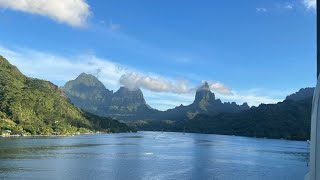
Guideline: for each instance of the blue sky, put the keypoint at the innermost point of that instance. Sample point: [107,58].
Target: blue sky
[250,51]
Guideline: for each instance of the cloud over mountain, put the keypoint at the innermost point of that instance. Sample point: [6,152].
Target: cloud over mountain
[136,80]
[220,88]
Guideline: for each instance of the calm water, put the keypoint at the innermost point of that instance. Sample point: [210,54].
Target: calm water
[152,155]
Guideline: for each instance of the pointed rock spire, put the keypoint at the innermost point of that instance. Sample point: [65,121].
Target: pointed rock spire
[204,94]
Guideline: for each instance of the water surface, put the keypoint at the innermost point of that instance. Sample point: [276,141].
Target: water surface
[152,155]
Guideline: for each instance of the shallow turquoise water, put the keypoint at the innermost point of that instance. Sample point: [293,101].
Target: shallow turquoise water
[152,155]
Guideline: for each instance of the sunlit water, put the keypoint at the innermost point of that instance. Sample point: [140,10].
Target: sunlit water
[152,155]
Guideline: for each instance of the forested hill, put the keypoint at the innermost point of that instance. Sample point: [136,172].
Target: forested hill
[38,107]
[288,120]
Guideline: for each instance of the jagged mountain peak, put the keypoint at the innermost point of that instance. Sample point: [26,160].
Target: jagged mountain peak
[204,87]
[88,79]
[204,94]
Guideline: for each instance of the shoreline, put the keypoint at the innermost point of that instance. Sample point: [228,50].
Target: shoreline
[8,136]
[16,135]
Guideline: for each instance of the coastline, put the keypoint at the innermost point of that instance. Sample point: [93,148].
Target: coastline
[6,136]
[16,135]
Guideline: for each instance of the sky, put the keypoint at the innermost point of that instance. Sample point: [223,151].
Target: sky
[249,51]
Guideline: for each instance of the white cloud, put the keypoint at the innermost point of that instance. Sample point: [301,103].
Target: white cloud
[251,99]
[261,10]
[220,88]
[71,12]
[310,4]
[157,84]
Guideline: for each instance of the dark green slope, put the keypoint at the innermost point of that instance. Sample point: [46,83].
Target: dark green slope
[288,120]
[39,107]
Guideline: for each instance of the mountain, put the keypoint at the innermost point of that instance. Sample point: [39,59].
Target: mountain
[204,103]
[289,119]
[89,94]
[128,104]
[301,94]
[38,107]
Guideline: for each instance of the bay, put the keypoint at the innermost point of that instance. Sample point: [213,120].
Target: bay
[152,155]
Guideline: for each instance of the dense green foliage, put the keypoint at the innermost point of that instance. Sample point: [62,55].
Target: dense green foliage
[38,107]
[288,120]
[108,125]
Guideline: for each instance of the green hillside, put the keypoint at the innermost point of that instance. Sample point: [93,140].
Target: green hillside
[38,107]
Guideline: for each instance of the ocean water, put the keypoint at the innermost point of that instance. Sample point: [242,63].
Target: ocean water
[152,155]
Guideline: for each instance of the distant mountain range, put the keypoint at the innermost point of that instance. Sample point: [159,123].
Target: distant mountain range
[88,93]
[37,107]
[289,119]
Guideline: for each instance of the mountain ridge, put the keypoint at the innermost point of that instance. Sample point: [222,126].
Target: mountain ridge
[301,94]
[289,119]
[129,104]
